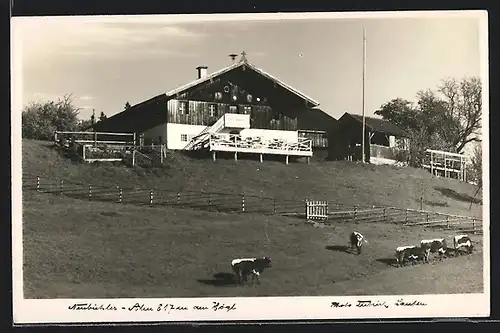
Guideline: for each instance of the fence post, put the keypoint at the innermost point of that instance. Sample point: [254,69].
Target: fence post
[61,187]
[90,192]
[385,215]
[406,215]
[38,184]
[119,194]
[178,198]
[427,217]
[355,212]
[242,203]
[307,208]
[274,206]
[209,200]
[151,197]
[474,226]
[447,223]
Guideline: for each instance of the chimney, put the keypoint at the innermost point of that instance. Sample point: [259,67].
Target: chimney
[202,71]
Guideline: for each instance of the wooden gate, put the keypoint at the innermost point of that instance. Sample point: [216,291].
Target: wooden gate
[316,210]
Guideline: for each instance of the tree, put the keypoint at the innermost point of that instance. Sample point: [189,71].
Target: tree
[84,125]
[477,165]
[127,106]
[477,169]
[41,119]
[102,117]
[406,115]
[447,122]
[461,118]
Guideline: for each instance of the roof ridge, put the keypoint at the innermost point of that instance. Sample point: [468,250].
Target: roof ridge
[234,66]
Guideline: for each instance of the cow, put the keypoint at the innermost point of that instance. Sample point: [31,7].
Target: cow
[463,241]
[429,246]
[411,252]
[255,266]
[356,241]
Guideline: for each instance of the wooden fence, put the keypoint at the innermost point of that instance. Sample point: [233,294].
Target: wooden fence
[242,203]
[316,210]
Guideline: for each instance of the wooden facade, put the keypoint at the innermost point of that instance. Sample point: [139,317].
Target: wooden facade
[239,91]
[319,138]
[240,88]
[345,140]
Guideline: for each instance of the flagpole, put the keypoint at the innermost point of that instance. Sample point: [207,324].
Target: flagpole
[363,96]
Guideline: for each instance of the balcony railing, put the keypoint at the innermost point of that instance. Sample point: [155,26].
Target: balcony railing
[236,143]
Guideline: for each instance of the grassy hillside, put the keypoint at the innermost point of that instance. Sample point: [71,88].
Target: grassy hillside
[81,249]
[339,182]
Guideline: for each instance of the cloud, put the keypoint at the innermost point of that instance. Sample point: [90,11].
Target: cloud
[86,98]
[44,38]
[41,96]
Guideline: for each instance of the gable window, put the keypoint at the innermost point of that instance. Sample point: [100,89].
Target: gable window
[212,110]
[184,137]
[183,107]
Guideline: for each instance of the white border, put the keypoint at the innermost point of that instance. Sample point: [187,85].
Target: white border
[28,311]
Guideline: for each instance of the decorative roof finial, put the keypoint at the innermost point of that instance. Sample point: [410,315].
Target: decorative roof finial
[243,56]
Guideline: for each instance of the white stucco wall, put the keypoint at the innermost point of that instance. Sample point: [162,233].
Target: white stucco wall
[175,131]
[290,136]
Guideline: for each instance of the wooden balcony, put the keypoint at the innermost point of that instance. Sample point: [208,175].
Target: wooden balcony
[258,145]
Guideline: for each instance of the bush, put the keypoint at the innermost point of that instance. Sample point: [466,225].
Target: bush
[41,119]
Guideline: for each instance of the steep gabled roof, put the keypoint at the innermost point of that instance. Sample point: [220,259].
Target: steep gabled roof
[196,82]
[139,117]
[379,125]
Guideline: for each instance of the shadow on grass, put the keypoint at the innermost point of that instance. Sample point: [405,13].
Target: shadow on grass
[457,196]
[338,248]
[436,203]
[388,261]
[220,280]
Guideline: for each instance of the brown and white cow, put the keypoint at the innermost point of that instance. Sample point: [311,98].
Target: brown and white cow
[411,253]
[255,266]
[463,241]
[356,241]
[429,246]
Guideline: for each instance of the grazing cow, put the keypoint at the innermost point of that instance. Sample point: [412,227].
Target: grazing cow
[463,241]
[429,246]
[245,266]
[356,240]
[407,252]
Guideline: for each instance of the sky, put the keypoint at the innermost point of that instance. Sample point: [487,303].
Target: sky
[108,61]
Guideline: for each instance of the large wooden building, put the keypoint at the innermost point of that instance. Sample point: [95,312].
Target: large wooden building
[384,141]
[240,99]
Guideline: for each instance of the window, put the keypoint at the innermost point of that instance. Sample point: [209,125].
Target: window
[183,108]
[247,110]
[212,110]
[218,95]
[184,137]
[233,109]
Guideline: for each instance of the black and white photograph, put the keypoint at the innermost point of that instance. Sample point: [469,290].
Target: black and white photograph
[235,167]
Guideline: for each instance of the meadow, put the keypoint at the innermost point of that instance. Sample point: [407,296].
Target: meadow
[80,249]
